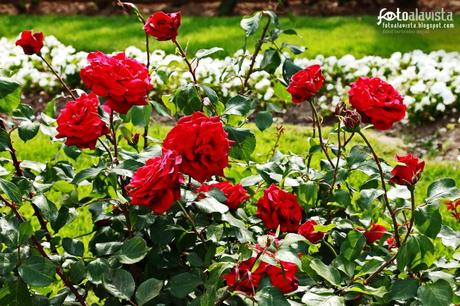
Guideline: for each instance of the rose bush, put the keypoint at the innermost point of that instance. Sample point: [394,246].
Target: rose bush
[194,219]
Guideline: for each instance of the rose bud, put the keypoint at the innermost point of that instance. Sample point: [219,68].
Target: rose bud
[135,139]
[30,42]
[308,231]
[279,208]
[374,233]
[351,120]
[377,102]
[408,170]
[305,84]
[80,124]
[340,108]
[163,26]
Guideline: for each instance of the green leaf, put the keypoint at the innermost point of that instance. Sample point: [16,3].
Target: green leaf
[353,245]
[442,189]
[251,24]
[289,69]
[10,95]
[86,174]
[264,120]
[73,247]
[403,289]
[296,49]
[329,273]
[119,283]
[210,205]
[25,231]
[378,292]
[133,250]
[140,115]
[245,142]
[5,141]
[271,296]
[148,290]
[438,293]
[210,93]
[428,220]
[207,52]
[270,61]
[37,271]
[11,190]
[239,105]
[7,262]
[313,299]
[449,237]
[28,130]
[184,283]
[96,270]
[18,294]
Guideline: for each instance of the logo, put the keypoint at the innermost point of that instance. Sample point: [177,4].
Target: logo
[415,20]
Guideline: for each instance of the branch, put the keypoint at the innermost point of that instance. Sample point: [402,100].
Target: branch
[318,125]
[58,77]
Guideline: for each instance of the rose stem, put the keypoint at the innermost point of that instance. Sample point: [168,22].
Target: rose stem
[385,192]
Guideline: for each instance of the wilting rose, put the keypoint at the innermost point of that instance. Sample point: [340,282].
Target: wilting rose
[235,194]
[307,230]
[157,184]
[408,170]
[80,123]
[305,83]
[163,26]
[30,42]
[121,80]
[279,208]
[245,280]
[374,233]
[377,102]
[351,120]
[203,144]
[283,276]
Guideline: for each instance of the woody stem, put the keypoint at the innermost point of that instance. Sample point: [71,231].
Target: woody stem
[67,88]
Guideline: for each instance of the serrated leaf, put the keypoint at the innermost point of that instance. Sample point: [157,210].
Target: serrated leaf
[37,271]
[120,283]
[148,290]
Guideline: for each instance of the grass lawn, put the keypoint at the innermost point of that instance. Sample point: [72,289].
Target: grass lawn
[338,36]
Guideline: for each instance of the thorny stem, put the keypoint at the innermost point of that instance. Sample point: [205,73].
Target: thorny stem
[106,149]
[189,65]
[114,138]
[412,208]
[259,44]
[14,158]
[279,133]
[320,136]
[339,153]
[146,128]
[385,192]
[313,121]
[42,252]
[382,267]
[192,223]
[58,77]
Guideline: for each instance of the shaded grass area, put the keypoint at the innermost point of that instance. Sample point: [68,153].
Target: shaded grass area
[356,35]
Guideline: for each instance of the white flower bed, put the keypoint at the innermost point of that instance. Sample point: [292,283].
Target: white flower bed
[429,82]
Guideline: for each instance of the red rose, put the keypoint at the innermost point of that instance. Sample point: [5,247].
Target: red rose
[279,208]
[377,102]
[121,80]
[157,184]
[308,231]
[408,170]
[305,83]
[30,42]
[163,26]
[283,277]
[203,144]
[235,194]
[247,281]
[374,233]
[80,123]
[391,243]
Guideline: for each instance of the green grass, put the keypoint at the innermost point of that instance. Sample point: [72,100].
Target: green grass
[338,36]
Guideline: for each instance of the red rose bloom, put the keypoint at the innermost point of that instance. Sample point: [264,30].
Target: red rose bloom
[305,83]
[249,280]
[283,277]
[163,26]
[375,232]
[377,102]
[157,184]
[121,80]
[308,231]
[235,194]
[408,171]
[203,144]
[279,208]
[30,42]
[80,123]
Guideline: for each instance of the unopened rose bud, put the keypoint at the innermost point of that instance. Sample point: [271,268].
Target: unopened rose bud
[351,119]
[340,108]
[135,139]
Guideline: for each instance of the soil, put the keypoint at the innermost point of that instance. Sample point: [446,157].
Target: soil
[211,8]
